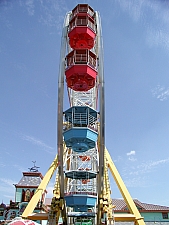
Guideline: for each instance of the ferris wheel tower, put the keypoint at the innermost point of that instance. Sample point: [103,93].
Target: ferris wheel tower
[81,161]
[81,168]
[81,192]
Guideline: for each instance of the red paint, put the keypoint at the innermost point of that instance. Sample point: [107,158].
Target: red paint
[80,77]
[82,38]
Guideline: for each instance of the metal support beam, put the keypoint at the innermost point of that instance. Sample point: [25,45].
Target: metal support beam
[99,48]
[139,220]
[60,113]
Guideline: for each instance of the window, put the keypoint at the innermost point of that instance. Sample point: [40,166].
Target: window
[165,215]
[27,196]
[1,212]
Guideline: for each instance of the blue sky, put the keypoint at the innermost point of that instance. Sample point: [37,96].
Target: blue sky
[136,68]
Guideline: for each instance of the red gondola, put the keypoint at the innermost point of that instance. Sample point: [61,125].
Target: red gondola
[82,27]
[81,70]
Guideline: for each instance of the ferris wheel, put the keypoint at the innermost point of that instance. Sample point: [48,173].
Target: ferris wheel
[81,134]
[81,193]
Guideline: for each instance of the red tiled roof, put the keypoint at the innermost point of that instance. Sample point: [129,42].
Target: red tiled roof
[121,206]
[119,203]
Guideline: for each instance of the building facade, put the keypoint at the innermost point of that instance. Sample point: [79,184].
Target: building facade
[24,190]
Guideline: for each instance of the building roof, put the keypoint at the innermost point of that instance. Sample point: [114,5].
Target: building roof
[2,206]
[121,206]
[30,179]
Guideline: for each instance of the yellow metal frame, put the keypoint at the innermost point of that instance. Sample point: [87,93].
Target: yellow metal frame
[107,200]
[139,220]
[107,207]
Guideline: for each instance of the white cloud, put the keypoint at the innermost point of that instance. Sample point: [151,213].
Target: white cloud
[119,158]
[147,167]
[39,143]
[160,92]
[155,17]
[131,153]
[156,163]
[134,8]
[50,13]
[7,189]
[8,182]
[53,13]
[21,169]
[31,139]
[30,7]
[137,175]
[158,37]
[132,159]
[136,181]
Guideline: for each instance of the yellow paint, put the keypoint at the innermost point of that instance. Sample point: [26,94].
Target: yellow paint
[139,220]
[134,216]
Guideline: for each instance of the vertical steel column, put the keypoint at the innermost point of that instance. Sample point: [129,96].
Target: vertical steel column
[60,113]
[102,116]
